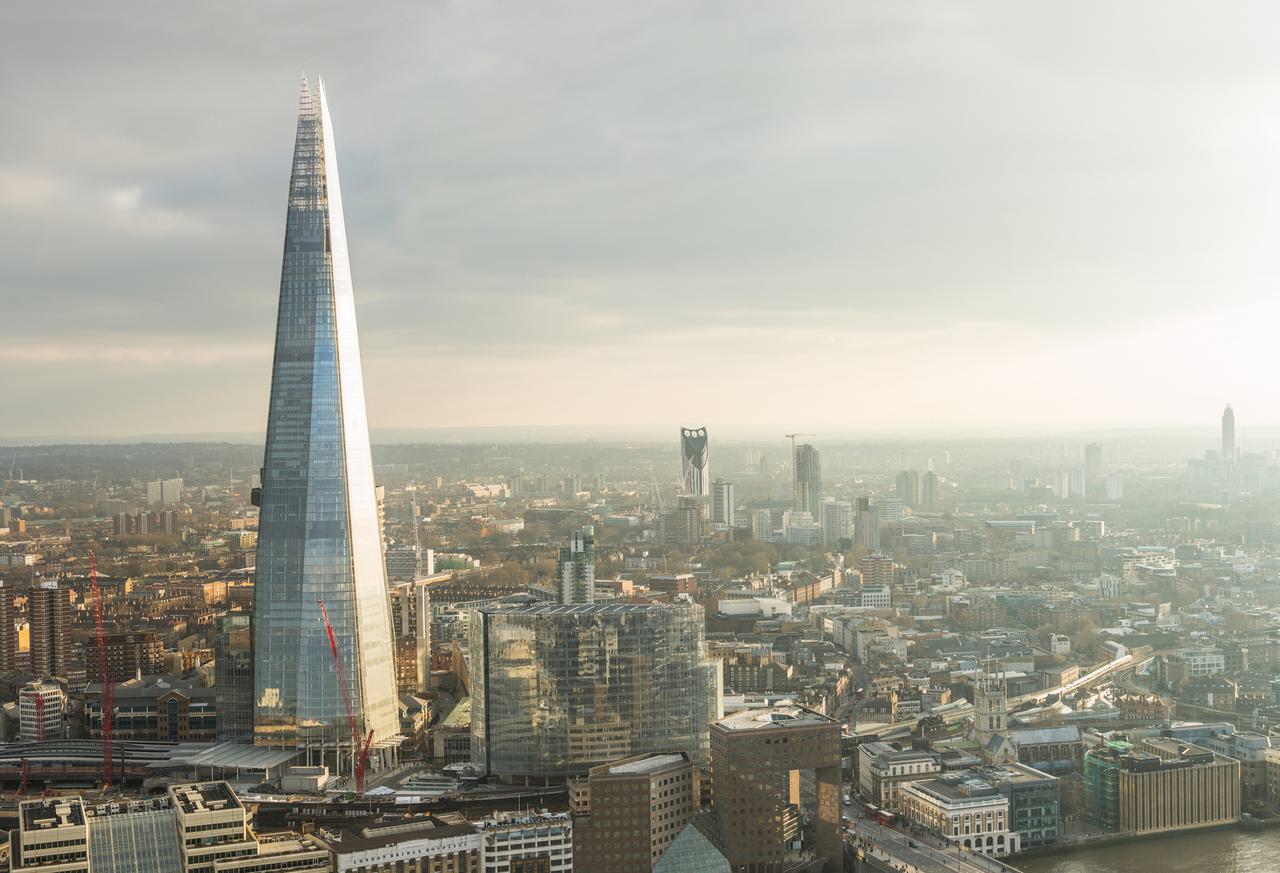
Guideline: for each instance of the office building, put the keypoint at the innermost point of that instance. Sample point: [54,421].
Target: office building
[722,504]
[837,523]
[159,709]
[526,841]
[49,614]
[193,828]
[884,767]
[431,845]
[233,676]
[52,835]
[42,711]
[694,462]
[762,526]
[1035,803]
[753,756]
[890,509]
[807,485]
[319,539]
[212,825]
[867,525]
[1228,434]
[628,812]
[558,689]
[1162,784]
[164,492]
[576,569]
[966,809]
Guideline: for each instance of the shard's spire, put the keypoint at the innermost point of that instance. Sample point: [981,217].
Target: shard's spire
[319,537]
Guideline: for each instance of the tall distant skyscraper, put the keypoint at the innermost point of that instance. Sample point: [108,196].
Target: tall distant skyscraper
[808,480]
[1092,461]
[867,525]
[722,503]
[693,457]
[576,569]
[318,534]
[1228,434]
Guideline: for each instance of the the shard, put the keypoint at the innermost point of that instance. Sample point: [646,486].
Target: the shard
[319,538]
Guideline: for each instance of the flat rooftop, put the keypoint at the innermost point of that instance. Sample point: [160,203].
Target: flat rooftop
[778,717]
[205,797]
[58,812]
[648,764]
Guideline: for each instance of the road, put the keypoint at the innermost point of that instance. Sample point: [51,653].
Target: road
[929,855]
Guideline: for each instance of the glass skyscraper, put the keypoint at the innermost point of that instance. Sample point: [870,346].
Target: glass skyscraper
[556,689]
[319,538]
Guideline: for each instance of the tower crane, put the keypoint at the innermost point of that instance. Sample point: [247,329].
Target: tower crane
[359,750]
[108,687]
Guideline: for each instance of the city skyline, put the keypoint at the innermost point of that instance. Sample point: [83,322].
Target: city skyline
[481,217]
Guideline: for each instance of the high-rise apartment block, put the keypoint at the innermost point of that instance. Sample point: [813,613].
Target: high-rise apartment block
[694,462]
[576,569]
[627,812]
[837,522]
[722,503]
[876,569]
[910,488]
[867,525]
[807,485]
[49,613]
[557,689]
[762,525]
[8,631]
[411,625]
[1228,434]
[319,539]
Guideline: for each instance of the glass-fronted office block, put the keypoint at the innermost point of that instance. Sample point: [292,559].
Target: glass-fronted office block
[319,538]
[556,689]
[233,676]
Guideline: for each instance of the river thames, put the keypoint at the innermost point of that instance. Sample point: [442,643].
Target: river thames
[1226,851]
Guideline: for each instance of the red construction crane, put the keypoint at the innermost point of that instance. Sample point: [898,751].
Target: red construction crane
[359,750]
[108,687]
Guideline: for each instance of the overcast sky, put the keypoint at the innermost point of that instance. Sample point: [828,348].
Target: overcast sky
[835,217]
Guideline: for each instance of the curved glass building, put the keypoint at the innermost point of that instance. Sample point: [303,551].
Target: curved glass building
[557,689]
[319,537]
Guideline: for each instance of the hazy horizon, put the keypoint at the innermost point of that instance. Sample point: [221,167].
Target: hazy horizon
[878,219]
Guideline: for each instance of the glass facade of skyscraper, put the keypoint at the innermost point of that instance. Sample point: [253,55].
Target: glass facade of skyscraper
[319,538]
[557,689]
